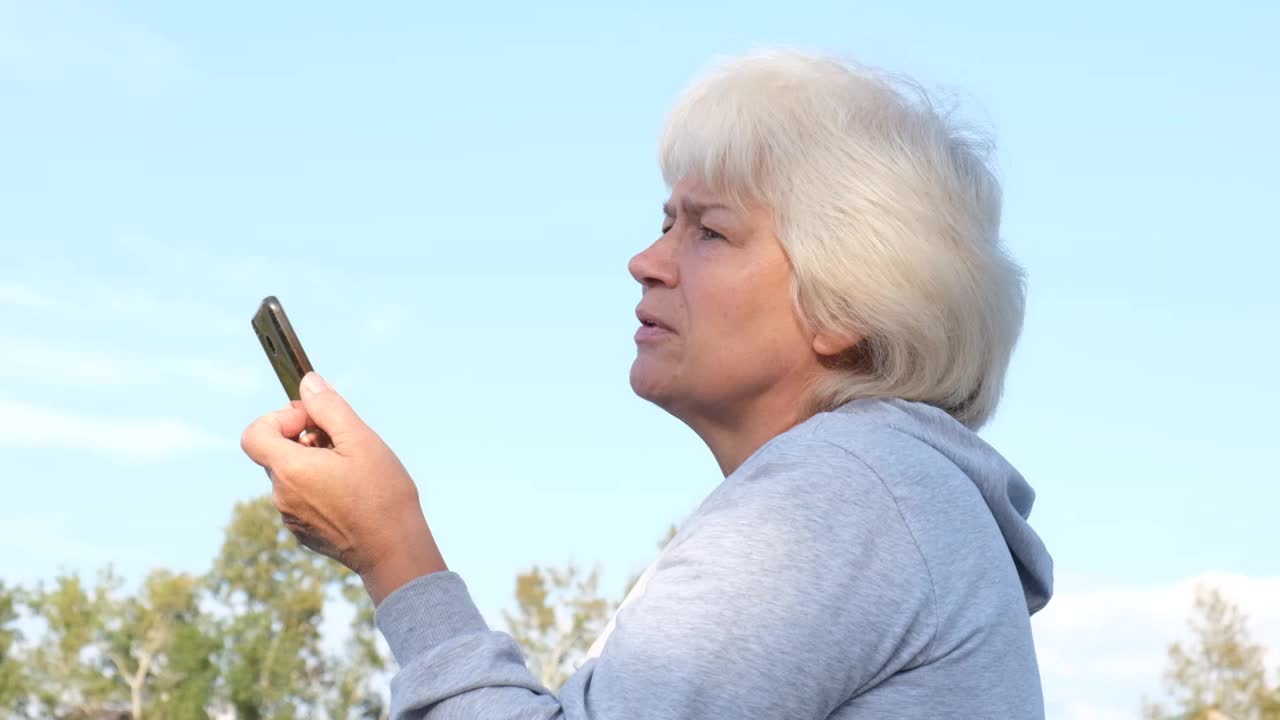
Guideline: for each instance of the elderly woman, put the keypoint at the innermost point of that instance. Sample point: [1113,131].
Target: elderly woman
[828,306]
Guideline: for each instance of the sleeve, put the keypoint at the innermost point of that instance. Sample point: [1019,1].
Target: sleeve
[793,588]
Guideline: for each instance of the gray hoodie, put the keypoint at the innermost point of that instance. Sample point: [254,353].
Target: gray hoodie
[871,562]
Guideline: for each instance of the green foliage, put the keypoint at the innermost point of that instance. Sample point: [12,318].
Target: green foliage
[353,694]
[68,671]
[159,646]
[13,677]
[189,688]
[273,665]
[243,641]
[1220,676]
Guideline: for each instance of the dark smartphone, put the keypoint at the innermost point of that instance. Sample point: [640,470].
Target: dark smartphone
[285,353]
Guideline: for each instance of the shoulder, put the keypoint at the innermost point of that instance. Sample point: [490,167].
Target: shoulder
[917,458]
[835,480]
[881,440]
[883,466]
[806,527]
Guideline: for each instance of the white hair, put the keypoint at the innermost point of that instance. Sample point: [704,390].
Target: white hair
[887,211]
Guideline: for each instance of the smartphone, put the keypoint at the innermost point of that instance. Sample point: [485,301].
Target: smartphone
[285,353]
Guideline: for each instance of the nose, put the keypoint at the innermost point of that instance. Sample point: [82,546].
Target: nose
[654,265]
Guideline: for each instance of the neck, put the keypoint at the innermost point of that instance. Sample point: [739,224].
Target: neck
[734,433]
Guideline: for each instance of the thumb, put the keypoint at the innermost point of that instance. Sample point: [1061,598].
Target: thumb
[327,408]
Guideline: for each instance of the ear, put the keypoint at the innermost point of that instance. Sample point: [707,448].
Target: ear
[831,345]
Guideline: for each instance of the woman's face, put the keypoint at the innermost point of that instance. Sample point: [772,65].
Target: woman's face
[718,330]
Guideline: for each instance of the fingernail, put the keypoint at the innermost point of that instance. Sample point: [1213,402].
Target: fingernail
[313,384]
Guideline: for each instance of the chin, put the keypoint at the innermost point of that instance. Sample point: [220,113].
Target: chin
[649,382]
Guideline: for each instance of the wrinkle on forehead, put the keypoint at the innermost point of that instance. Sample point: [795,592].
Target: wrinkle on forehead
[695,208]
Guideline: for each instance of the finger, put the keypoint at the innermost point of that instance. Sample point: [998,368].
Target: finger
[308,435]
[269,439]
[328,410]
[293,420]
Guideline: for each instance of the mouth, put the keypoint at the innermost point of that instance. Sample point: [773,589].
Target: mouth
[651,328]
[649,320]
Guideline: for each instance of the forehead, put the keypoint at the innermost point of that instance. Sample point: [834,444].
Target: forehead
[693,197]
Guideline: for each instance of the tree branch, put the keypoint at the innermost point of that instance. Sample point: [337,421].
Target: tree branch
[264,673]
[119,663]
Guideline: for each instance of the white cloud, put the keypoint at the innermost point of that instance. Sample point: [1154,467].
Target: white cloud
[169,258]
[179,259]
[52,363]
[49,539]
[32,360]
[48,287]
[133,438]
[21,295]
[182,289]
[1102,649]
[167,313]
[55,38]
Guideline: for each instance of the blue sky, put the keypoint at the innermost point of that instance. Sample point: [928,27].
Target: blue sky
[445,200]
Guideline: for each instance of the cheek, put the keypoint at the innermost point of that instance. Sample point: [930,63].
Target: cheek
[718,300]
[747,321]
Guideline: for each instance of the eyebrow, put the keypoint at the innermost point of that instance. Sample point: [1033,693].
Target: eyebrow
[692,208]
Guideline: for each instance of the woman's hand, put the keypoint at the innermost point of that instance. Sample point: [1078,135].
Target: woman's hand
[353,502]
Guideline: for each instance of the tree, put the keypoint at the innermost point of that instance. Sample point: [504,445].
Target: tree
[66,666]
[103,654]
[243,641]
[273,590]
[1220,676]
[559,614]
[13,678]
[162,648]
[353,692]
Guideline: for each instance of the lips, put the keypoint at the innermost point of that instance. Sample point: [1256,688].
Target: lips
[648,319]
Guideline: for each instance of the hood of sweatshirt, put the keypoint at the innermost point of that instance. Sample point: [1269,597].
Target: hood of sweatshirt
[1007,494]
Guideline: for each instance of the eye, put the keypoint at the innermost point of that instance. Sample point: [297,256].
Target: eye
[709,234]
